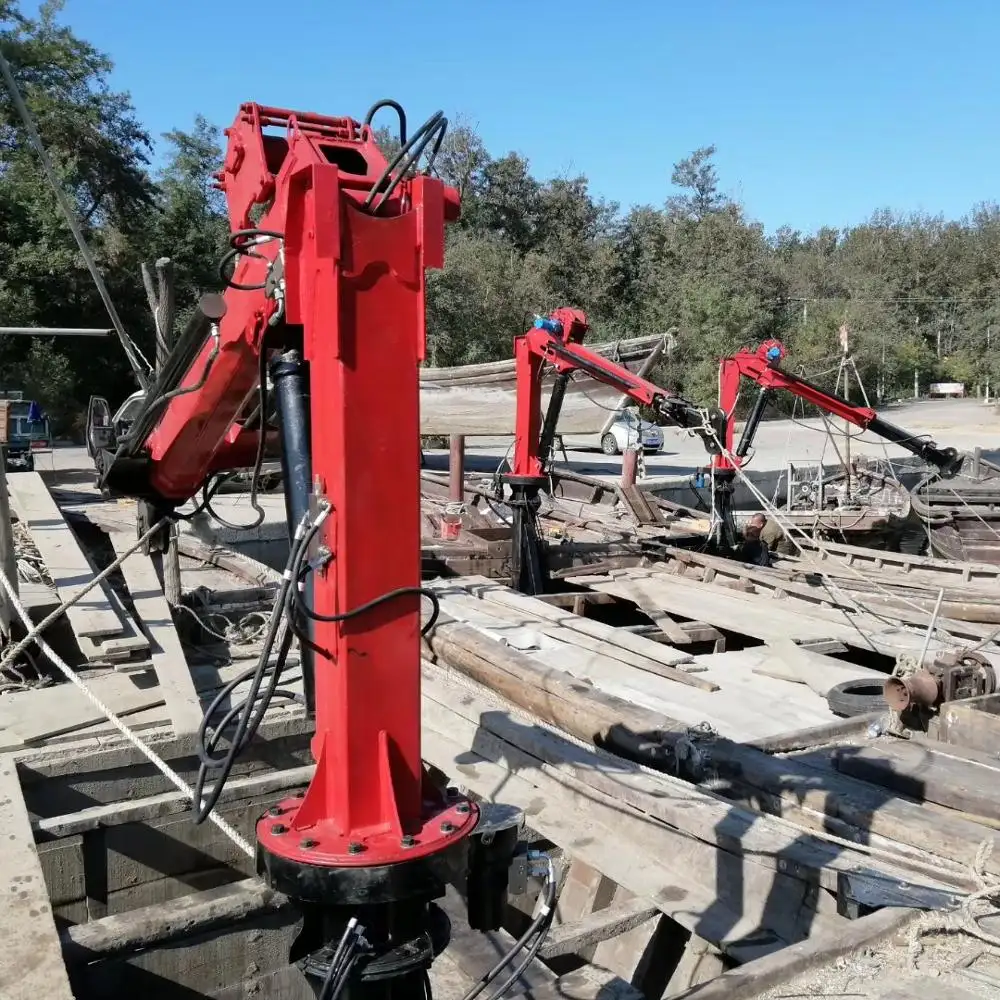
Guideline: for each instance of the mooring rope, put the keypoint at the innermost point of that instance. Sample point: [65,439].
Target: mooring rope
[161,765]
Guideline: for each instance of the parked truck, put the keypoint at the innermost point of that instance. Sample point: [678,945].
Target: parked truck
[24,429]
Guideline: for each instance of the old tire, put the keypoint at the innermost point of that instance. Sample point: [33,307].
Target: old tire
[857,697]
[609,445]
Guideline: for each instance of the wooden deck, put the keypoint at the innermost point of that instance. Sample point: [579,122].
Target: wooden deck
[663,726]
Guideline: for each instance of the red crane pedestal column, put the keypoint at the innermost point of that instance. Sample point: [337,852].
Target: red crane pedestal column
[371,838]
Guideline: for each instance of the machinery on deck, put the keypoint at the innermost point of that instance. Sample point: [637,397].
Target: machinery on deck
[557,340]
[330,244]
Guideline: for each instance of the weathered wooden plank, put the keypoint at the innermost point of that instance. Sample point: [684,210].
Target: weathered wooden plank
[769,619]
[974,724]
[31,961]
[632,590]
[922,774]
[493,616]
[786,661]
[62,708]
[601,925]
[146,927]
[725,609]
[167,654]
[750,775]
[754,978]
[678,805]
[814,736]
[154,807]
[65,561]
[493,593]
[597,832]
[928,989]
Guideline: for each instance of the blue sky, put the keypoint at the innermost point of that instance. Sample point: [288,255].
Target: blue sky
[822,110]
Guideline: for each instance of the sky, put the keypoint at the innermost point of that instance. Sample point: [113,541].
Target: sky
[822,110]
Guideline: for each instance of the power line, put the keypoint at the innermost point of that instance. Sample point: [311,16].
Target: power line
[895,299]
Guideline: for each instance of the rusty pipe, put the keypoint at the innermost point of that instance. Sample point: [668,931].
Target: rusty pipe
[920,688]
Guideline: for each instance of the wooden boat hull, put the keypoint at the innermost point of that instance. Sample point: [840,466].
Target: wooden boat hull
[481,399]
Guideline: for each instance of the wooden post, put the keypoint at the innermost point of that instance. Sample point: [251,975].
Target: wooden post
[451,522]
[630,466]
[162,304]
[8,558]
[456,468]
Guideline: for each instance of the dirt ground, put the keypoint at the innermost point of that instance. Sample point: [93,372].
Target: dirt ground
[949,967]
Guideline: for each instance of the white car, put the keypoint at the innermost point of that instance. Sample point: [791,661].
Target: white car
[630,431]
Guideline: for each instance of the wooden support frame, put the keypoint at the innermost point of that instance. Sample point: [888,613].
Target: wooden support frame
[31,963]
[179,923]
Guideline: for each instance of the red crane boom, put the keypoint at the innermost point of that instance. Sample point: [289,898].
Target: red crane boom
[328,290]
[557,341]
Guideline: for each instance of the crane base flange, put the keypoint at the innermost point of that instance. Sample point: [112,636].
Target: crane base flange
[317,863]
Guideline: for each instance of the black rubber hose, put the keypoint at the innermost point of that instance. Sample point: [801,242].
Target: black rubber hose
[436,125]
[540,927]
[397,107]
[248,721]
[299,605]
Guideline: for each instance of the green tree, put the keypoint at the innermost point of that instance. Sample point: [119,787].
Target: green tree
[101,152]
[697,176]
[191,225]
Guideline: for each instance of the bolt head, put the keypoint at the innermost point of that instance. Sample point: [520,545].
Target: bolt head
[408,841]
[279,828]
[462,808]
[354,847]
[275,811]
[447,827]
[307,843]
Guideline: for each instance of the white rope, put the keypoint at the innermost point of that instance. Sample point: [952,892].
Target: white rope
[787,528]
[239,633]
[967,919]
[161,765]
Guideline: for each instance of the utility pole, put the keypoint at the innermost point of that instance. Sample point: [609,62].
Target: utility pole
[989,332]
[161,302]
[881,371]
[8,556]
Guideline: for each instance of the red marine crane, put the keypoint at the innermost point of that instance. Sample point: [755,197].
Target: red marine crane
[330,244]
[557,341]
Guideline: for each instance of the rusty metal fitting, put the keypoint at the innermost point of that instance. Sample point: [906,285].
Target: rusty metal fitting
[920,688]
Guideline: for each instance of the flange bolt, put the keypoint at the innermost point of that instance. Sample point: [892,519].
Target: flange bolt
[279,828]
[354,847]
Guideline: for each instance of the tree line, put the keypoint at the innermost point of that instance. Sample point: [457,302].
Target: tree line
[919,294]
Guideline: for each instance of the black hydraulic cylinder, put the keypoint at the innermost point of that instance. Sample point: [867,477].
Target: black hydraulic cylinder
[750,427]
[548,434]
[290,376]
[529,572]
[947,460]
